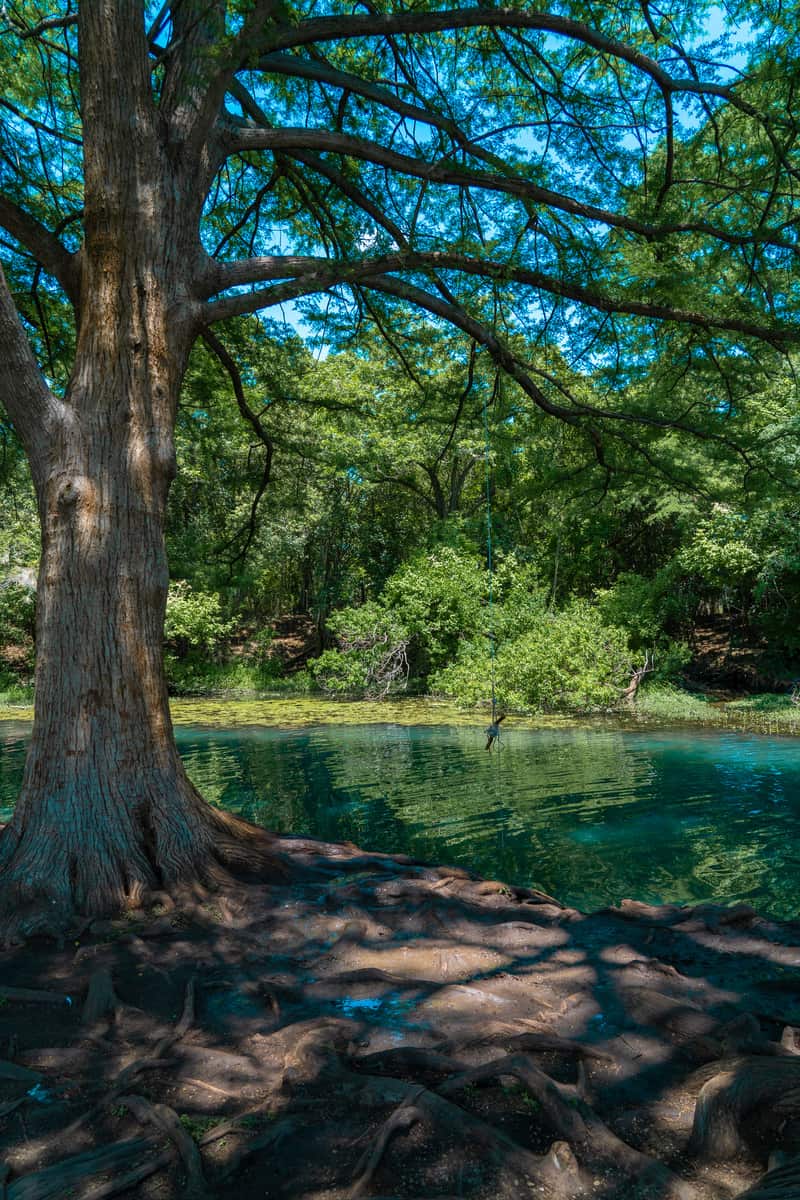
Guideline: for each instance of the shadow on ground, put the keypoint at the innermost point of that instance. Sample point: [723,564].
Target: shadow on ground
[395,1029]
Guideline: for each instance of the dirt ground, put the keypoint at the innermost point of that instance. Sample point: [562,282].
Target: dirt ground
[386,1028]
[731,660]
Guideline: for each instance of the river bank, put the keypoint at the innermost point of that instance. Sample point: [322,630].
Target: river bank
[371,1025]
[664,707]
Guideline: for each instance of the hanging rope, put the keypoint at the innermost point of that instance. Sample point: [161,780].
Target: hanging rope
[489,564]
[493,732]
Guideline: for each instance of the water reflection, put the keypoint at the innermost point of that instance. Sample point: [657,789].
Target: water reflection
[591,816]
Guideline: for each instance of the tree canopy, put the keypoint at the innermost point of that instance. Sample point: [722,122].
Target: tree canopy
[581,176]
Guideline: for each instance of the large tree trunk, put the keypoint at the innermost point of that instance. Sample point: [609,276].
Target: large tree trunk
[107,811]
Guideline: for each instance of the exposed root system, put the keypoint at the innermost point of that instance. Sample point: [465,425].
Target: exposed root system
[367,1026]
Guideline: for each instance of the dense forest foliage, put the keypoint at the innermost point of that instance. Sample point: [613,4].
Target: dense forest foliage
[328,528]
[605,383]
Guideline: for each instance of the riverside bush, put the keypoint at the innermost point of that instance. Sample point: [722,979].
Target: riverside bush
[563,660]
[372,655]
[432,622]
[642,607]
[439,598]
[18,622]
[17,612]
[194,620]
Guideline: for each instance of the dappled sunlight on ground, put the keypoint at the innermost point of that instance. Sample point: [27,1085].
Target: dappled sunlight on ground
[390,1028]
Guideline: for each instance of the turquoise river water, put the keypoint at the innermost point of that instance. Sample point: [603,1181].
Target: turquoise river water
[590,815]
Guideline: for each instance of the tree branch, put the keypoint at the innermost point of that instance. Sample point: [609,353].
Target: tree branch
[480,333]
[47,24]
[249,531]
[30,404]
[45,247]
[339,28]
[280,293]
[235,138]
[578,414]
[346,186]
[327,272]
[303,68]
[321,72]
[200,62]
[49,130]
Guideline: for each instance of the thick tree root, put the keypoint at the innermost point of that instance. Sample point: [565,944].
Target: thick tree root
[746,1099]
[595,1146]
[166,1120]
[56,1182]
[155,1060]
[265,1141]
[780,1183]
[400,1121]
[564,1118]
[557,1171]
[35,996]
[542,1042]
[101,1000]
[166,844]
[123,1183]
[340,1007]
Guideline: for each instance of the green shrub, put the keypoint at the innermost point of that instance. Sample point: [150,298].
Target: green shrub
[193,676]
[563,660]
[372,655]
[650,610]
[262,647]
[12,691]
[340,673]
[18,622]
[633,603]
[776,602]
[439,598]
[519,600]
[194,620]
[17,612]
[669,661]
[719,552]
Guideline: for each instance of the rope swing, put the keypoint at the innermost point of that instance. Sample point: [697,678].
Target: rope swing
[493,730]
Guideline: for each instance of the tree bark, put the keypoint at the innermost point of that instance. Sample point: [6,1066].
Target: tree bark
[106,810]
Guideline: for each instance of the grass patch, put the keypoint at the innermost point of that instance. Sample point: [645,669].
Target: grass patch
[190,677]
[521,1094]
[196,1127]
[12,691]
[764,713]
